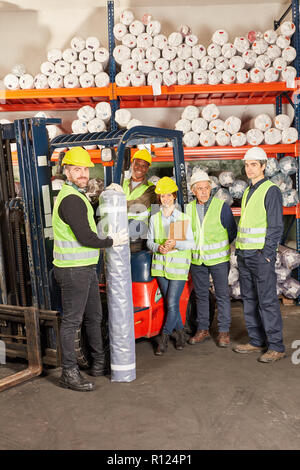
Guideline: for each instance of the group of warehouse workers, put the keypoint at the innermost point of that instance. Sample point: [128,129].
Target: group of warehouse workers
[203,250]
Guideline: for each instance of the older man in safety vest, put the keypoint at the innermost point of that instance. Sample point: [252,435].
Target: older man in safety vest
[140,194]
[76,252]
[259,232]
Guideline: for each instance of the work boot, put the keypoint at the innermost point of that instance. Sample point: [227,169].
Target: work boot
[180,339]
[247,348]
[98,369]
[71,378]
[162,344]
[199,337]
[223,340]
[271,356]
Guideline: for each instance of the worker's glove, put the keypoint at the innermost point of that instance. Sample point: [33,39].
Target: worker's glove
[119,238]
[115,187]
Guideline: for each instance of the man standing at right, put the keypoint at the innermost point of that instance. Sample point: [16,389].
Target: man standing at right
[259,232]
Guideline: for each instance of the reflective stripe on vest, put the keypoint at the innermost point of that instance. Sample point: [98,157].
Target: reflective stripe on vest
[211,238]
[136,194]
[67,251]
[252,226]
[175,264]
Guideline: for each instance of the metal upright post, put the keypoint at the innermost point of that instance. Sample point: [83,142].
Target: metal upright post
[112,63]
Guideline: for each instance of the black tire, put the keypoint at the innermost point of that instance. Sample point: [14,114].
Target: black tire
[190,326]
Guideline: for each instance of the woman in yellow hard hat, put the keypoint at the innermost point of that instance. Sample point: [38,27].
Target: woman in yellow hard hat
[170,239]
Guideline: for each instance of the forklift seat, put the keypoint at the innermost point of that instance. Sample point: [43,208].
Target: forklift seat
[141,266]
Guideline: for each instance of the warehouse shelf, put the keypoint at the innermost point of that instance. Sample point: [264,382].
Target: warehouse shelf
[294,210]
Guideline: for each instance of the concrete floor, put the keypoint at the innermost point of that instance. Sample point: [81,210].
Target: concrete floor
[202,397]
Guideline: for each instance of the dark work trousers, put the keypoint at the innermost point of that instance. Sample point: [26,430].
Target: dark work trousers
[171,290]
[261,304]
[200,275]
[80,301]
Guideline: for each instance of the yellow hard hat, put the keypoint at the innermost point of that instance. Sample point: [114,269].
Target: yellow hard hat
[166,186]
[77,156]
[143,154]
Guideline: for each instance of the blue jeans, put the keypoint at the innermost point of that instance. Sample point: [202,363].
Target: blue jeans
[171,291]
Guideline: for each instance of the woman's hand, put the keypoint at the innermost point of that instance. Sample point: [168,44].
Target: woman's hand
[169,245]
[162,249]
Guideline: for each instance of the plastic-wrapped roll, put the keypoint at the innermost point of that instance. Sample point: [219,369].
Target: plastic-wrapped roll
[272,167]
[62,68]
[71,81]
[255,137]
[235,291]
[260,46]
[237,189]
[272,136]
[271,75]
[92,43]
[161,65]
[291,288]
[198,51]
[263,62]
[290,198]
[282,274]
[284,183]
[53,131]
[238,140]
[176,65]
[233,275]
[213,50]
[199,124]
[214,77]
[184,77]
[215,185]
[175,39]
[210,112]
[216,125]
[160,41]
[183,125]
[228,76]
[279,64]
[169,52]
[103,111]
[153,53]
[127,17]
[78,43]
[207,63]
[53,55]
[200,77]
[223,138]
[207,138]
[69,55]
[249,58]
[121,53]
[232,124]
[145,66]
[154,28]
[221,63]
[144,40]
[270,36]
[242,76]
[184,29]
[289,54]
[228,50]
[113,211]
[129,66]
[133,123]
[86,113]
[273,52]
[40,81]
[263,122]
[122,117]
[101,79]
[122,79]
[169,78]
[102,55]
[184,51]
[137,54]
[191,139]
[289,136]
[119,31]
[86,56]
[190,113]
[87,80]
[136,27]
[283,41]
[220,37]
[137,79]
[191,40]
[94,67]
[77,68]
[224,195]
[257,75]
[18,70]
[288,75]
[79,127]
[288,165]
[236,63]
[191,65]
[153,77]
[55,81]
[287,28]
[241,44]
[129,40]
[96,125]
[226,178]
[47,68]
[11,81]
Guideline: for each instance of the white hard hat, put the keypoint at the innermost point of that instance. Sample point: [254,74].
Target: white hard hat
[255,153]
[199,175]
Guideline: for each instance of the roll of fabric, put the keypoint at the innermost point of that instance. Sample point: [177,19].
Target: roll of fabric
[71,81]
[198,51]
[223,138]
[271,75]
[228,76]
[11,82]
[136,27]
[101,79]
[78,43]
[290,198]
[241,44]
[53,55]
[47,68]
[169,52]
[214,77]
[287,28]
[263,62]
[213,50]
[284,183]
[279,64]
[282,274]
[96,125]
[233,275]
[289,54]
[154,77]
[190,113]
[282,121]
[235,291]
[262,121]
[228,50]
[62,68]
[137,79]
[154,28]
[207,138]
[242,76]
[272,167]
[92,43]
[69,55]
[127,17]
[86,113]
[102,55]
[291,288]
[18,70]
[40,81]
[221,63]
[238,140]
[183,125]
[260,46]
[133,123]
[257,75]
[152,53]
[288,75]
[137,54]
[200,77]
[175,39]
[176,65]
[249,57]
[236,63]
[184,77]
[87,80]
[185,30]
[53,131]
[226,178]
[191,65]
[129,66]
[270,36]
[288,165]
[199,124]
[103,111]
[210,112]
[207,63]
[79,127]
[119,31]
[224,195]
[94,67]
[273,52]
[145,66]
[272,136]
[191,139]
[160,41]
[121,53]
[144,40]
[289,136]
[184,51]
[86,56]
[283,41]
[216,125]
[255,137]
[55,80]
[122,117]
[129,40]
[232,124]
[237,189]
[77,68]
[122,79]
[169,77]
[191,40]
[220,37]
[215,185]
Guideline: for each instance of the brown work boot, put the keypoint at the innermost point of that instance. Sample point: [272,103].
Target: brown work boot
[223,339]
[162,344]
[271,356]
[200,337]
[247,348]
